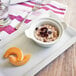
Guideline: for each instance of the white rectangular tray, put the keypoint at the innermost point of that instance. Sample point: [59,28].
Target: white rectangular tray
[40,56]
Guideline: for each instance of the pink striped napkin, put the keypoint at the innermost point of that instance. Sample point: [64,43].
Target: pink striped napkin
[18,12]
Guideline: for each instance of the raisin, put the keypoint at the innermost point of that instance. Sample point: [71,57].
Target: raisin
[43,29]
[46,35]
[36,28]
[41,33]
[49,32]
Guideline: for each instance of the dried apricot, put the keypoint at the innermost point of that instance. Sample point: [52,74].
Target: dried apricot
[13,60]
[14,51]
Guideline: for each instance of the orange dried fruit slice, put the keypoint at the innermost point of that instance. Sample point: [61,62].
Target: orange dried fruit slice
[13,60]
[14,51]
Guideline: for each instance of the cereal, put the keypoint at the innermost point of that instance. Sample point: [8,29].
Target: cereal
[46,33]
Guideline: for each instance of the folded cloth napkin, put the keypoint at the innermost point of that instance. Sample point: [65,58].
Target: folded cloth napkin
[18,12]
[17,1]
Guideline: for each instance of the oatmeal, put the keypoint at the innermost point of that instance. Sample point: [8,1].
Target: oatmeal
[46,33]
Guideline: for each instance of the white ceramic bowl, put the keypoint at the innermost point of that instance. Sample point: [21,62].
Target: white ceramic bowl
[30,32]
